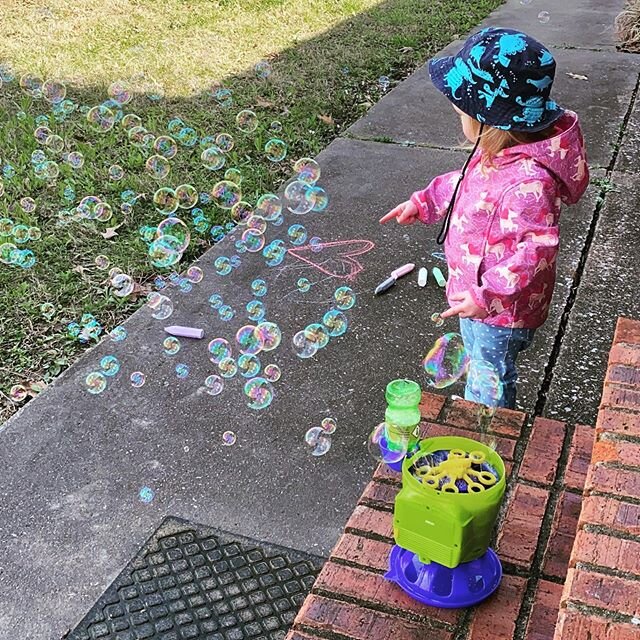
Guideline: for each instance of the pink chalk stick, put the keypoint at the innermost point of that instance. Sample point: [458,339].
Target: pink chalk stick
[402,271]
[185,332]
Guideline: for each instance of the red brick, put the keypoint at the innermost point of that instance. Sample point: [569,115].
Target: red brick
[606,551]
[462,413]
[618,422]
[627,331]
[620,397]
[544,612]
[621,374]
[605,592]
[496,617]
[431,405]
[369,520]
[296,635]
[380,493]
[363,551]
[504,446]
[625,354]
[508,422]
[542,454]
[611,513]
[617,451]
[579,457]
[359,623]
[519,532]
[576,625]
[368,588]
[563,533]
[618,482]
[383,472]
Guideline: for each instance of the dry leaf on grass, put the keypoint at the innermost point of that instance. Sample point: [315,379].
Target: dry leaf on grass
[327,120]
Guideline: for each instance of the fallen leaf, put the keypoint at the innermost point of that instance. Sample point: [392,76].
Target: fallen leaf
[266,104]
[406,49]
[576,76]
[327,120]
[109,233]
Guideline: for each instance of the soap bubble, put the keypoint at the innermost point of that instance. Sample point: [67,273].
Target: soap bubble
[101,118]
[222,265]
[215,301]
[297,234]
[446,361]
[182,370]
[53,91]
[171,345]
[304,346]
[320,199]
[318,440]
[75,159]
[130,120]
[233,175]
[187,136]
[336,322]
[274,253]
[226,313]
[214,385]
[275,126]
[484,382]
[253,240]
[165,251]
[140,137]
[225,142]
[303,285]
[269,334]
[118,334]
[115,172]
[194,274]
[307,171]
[544,17]
[345,298]
[249,340]
[137,379]
[213,158]
[247,121]
[110,365]
[437,319]
[317,334]
[259,287]
[260,393]
[272,372]
[228,367]
[297,197]
[122,285]
[157,167]
[269,206]
[229,438]
[329,425]
[17,393]
[394,452]
[249,365]
[96,382]
[275,150]
[31,85]
[165,146]
[219,349]
[256,310]
[54,143]
[241,212]
[161,306]
[165,200]
[120,92]
[187,196]
[28,205]
[47,310]
[263,69]
[226,194]
[383,83]
[146,495]
[176,230]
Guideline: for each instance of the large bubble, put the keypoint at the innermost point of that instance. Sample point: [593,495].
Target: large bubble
[447,361]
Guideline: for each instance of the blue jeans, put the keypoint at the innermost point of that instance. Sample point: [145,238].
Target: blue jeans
[500,346]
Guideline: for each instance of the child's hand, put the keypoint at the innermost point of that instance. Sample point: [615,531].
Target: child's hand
[405,213]
[467,308]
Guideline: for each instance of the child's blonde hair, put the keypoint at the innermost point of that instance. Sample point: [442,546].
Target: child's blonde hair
[493,141]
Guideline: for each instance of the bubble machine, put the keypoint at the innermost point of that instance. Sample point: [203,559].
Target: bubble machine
[443,519]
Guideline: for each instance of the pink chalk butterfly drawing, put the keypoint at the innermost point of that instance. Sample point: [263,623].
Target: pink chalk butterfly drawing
[337,259]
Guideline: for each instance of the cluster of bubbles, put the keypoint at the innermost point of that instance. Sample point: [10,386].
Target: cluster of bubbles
[318,439]
[13,237]
[335,323]
[87,329]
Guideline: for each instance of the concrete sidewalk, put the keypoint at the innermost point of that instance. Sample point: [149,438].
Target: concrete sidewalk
[72,463]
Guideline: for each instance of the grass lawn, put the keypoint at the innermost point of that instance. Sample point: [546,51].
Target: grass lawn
[325,58]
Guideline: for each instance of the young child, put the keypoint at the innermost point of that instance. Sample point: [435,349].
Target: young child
[500,213]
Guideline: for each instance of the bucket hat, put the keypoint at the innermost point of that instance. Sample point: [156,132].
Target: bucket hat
[502,78]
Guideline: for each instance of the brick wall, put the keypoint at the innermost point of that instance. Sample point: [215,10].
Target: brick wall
[601,597]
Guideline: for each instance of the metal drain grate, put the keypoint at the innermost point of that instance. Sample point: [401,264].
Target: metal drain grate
[195,582]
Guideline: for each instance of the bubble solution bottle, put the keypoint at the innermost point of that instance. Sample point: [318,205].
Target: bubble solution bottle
[401,421]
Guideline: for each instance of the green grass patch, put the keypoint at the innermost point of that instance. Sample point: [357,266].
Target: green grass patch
[326,58]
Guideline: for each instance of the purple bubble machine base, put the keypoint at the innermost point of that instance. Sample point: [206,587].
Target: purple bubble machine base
[438,586]
[388,454]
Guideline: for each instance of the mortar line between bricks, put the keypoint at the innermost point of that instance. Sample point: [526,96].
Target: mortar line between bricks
[608,571]
[613,616]
[356,565]
[616,496]
[370,535]
[377,505]
[577,279]
[464,625]
[321,633]
[608,531]
[390,611]
[612,436]
[554,492]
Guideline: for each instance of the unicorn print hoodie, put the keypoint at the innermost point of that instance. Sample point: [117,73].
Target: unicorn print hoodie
[503,239]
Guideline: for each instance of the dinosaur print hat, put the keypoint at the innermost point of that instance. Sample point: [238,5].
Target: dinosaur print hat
[502,78]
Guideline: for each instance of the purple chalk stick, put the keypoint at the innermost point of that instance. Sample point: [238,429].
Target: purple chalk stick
[185,332]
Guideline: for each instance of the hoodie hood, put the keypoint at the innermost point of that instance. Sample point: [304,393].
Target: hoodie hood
[563,155]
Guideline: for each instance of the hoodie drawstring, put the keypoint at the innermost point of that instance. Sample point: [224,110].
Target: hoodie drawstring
[444,229]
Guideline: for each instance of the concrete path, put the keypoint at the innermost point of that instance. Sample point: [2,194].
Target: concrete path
[72,464]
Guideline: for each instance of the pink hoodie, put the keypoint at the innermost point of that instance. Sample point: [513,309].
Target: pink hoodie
[503,237]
